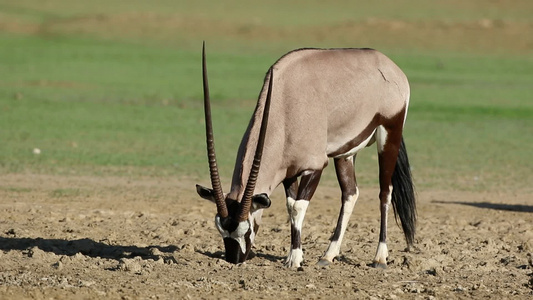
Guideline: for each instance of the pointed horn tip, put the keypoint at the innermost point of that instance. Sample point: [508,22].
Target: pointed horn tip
[270,81]
[213,169]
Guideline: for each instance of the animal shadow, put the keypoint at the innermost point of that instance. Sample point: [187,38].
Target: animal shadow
[86,247]
[496,206]
[253,254]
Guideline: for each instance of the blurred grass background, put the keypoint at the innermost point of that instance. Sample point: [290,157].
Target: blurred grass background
[114,87]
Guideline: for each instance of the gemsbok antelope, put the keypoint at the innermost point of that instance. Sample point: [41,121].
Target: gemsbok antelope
[315,104]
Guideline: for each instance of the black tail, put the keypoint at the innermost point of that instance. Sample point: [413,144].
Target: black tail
[403,195]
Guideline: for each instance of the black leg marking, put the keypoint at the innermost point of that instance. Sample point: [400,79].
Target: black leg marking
[306,190]
[387,161]
[291,187]
[348,183]
[308,185]
[291,190]
[344,168]
[297,208]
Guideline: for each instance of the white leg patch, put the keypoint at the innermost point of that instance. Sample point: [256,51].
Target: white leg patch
[297,210]
[335,246]
[381,254]
[381,138]
[295,258]
[389,196]
[290,204]
[333,251]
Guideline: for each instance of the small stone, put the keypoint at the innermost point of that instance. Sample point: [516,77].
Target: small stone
[160,261]
[459,289]
[187,248]
[432,272]
[86,283]
[58,266]
[36,252]
[156,252]
[130,265]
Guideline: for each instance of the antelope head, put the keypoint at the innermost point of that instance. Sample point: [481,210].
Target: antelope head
[234,219]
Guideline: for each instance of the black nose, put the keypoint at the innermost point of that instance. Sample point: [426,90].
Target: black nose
[234,253]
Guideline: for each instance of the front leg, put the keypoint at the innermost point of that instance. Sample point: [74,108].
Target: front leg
[291,192]
[346,176]
[297,204]
[297,210]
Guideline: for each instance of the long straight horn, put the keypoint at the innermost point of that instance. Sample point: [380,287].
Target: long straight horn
[215,177]
[252,179]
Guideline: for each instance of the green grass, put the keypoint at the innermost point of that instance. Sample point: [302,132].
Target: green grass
[125,97]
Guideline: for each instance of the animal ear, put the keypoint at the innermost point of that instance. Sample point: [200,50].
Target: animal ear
[260,201]
[205,193]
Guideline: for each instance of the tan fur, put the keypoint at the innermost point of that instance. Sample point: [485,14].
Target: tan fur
[322,100]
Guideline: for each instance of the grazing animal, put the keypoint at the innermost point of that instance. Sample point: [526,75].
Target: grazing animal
[315,104]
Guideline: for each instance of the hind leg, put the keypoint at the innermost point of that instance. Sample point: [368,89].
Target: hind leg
[344,168]
[297,204]
[388,142]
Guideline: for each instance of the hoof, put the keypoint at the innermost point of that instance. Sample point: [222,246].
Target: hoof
[291,266]
[379,265]
[323,263]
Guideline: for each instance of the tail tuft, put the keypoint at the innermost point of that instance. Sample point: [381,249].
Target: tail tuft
[403,195]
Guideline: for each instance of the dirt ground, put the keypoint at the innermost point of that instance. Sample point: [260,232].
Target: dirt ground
[74,237]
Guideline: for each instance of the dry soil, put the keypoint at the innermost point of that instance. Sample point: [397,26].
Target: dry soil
[71,237]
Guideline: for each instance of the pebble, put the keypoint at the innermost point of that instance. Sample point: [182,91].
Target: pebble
[130,265]
[58,266]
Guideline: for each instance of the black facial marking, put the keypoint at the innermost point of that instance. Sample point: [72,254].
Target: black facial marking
[233,251]
[229,224]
